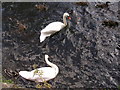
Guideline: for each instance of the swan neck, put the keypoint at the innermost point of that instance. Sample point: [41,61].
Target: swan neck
[52,65]
[64,20]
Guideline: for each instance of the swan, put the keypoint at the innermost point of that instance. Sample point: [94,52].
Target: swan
[47,72]
[54,27]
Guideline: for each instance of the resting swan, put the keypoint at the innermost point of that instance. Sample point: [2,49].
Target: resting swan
[53,27]
[47,72]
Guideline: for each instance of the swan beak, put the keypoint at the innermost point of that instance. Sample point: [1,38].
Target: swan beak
[69,18]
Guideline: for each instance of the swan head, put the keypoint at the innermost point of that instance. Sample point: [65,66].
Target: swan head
[46,56]
[66,15]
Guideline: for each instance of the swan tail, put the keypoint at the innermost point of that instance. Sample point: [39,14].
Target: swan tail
[25,74]
[42,37]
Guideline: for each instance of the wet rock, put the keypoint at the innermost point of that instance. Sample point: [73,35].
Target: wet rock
[5,85]
[11,73]
[118,47]
[86,52]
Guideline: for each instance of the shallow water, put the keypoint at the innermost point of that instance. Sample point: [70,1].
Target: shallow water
[86,52]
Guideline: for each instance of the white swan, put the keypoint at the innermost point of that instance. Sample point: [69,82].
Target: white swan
[53,27]
[47,72]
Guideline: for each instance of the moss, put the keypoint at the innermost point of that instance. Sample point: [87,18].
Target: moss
[45,84]
[34,66]
[8,81]
[118,87]
[3,80]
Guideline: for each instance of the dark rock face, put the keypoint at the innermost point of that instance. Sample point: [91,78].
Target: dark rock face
[86,53]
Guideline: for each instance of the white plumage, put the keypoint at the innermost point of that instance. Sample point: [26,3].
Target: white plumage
[53,27]
[47,72]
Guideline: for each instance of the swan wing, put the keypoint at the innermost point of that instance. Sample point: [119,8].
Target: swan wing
[53,27]
[47,74]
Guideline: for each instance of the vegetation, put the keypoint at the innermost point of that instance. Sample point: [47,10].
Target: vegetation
[3,80]
[119,87]
[40,72]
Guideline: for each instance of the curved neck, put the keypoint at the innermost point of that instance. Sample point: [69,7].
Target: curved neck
[64,20]
[52,65]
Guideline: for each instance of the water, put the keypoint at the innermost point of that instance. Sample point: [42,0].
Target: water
[85,52]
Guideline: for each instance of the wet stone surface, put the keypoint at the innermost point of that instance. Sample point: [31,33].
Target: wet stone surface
[86,52]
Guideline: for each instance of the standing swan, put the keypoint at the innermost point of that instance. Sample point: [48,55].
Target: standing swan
[47,72]
[53,27]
